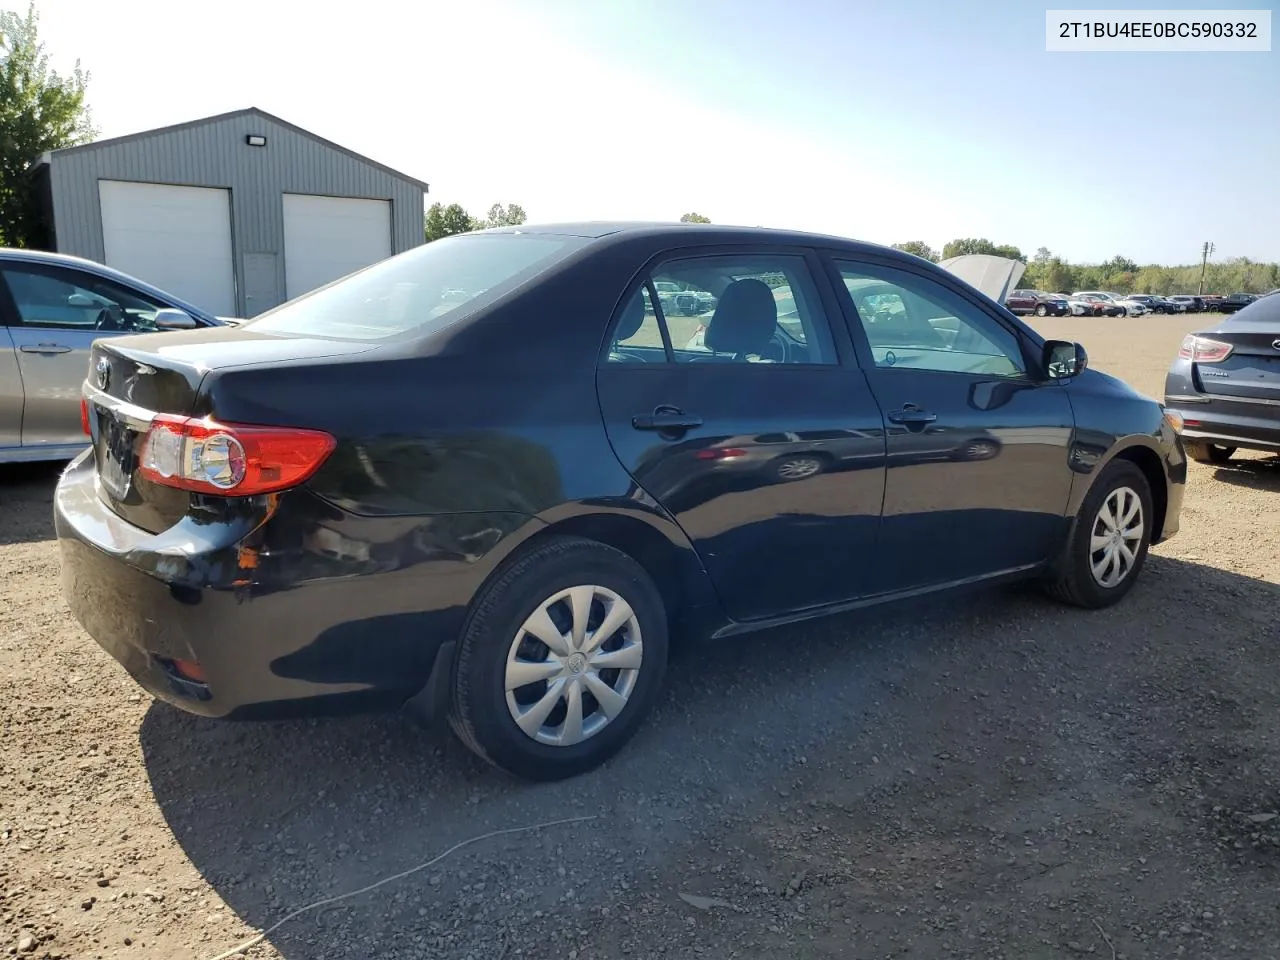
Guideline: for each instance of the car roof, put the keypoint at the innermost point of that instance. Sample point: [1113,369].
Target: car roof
[16,255]
[706,232]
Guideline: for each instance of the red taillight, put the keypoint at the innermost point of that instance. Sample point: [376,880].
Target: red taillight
[235,460]
[189,670]
[84,418]
[720,453]
[1203,350]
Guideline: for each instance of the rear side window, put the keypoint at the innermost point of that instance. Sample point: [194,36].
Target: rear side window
[421,290]
[752,308]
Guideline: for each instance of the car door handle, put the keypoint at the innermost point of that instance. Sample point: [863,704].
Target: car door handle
[665,421]
[910,414]
[44,348]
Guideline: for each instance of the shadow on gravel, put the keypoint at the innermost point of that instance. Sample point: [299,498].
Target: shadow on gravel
[26,501]
[1254,474]
[278,815]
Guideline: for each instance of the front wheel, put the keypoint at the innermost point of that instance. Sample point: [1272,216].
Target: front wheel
[560,660]
[1108,543]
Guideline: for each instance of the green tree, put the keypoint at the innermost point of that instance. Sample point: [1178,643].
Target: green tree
[694,218]
[40,110]
[511,215]
[919,248]
[1118,264]
[442,221]
[970,245]
[1057,276]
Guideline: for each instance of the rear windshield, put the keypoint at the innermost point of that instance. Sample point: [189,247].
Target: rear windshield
[419,290]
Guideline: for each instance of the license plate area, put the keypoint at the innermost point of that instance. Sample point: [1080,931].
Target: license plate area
[114,450]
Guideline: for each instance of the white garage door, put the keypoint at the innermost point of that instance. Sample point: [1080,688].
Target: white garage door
[174,238]
[328,237]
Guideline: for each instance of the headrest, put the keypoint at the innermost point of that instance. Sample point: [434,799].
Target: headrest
[745,319]
[632,318]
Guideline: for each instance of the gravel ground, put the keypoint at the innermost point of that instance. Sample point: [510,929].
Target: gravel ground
[990,776]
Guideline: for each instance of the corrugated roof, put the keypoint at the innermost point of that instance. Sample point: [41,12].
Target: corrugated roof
[249,111]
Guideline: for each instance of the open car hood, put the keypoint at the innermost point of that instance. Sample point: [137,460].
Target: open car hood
[997,277]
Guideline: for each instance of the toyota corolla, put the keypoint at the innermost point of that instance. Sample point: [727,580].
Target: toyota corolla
[488,477]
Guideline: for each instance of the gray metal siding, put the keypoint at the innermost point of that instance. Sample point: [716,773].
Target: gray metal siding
[215,155]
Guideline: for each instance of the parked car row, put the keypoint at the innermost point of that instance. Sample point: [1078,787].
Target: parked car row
[1100,303]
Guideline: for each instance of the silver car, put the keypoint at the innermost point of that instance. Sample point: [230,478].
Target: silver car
[52,307]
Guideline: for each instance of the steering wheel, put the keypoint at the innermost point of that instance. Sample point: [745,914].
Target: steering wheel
[110,318]
[776,349]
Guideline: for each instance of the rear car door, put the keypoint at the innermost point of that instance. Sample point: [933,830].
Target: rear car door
[978,477]
[742,423]
[55,313]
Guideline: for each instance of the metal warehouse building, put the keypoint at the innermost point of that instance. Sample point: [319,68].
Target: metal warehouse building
[234,213]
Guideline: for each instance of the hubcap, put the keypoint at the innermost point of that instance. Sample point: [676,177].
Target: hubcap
[798,469]
[1116,536]
[572,665]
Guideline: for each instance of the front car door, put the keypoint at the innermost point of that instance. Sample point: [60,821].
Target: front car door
[743,424]
[10,395]
[977,441]
[54,314]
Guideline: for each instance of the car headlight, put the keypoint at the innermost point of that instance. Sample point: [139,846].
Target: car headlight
[1174,420]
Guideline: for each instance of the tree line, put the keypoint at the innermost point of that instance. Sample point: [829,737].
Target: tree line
[445,221]
[1053,274]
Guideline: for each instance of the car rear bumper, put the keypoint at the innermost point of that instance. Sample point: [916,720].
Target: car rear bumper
[1228,422]
[275,628]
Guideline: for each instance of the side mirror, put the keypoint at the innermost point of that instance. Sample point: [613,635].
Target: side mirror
[172,319]
[81,300]
[1064,359]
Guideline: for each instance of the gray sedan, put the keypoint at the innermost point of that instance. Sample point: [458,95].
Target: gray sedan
[52,307]
[1225,384]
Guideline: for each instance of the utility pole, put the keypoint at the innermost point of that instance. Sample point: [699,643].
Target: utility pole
[1204,262]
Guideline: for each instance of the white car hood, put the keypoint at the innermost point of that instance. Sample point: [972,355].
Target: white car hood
[997,277]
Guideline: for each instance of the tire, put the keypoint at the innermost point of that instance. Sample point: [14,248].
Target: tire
[1041,310]
[482,711]
[1072,578]
[1208,452]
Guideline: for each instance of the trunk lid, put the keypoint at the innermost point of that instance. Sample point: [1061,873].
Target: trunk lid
[131,379]
[1252,369]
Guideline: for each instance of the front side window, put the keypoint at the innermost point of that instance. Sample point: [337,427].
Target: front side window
[731,309]
[914,323]
[422,290]
[52,297]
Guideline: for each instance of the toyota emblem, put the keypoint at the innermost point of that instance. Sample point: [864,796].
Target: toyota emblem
[1276,344]
[104,373]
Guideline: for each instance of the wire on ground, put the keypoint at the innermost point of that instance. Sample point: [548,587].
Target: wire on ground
[254,941]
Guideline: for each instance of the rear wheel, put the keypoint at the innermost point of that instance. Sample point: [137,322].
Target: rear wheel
[560,660]
[1108,543]
[1041,310]
[1208,452]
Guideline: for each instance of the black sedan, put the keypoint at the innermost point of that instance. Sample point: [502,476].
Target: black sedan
[1225,384]
[501,505]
